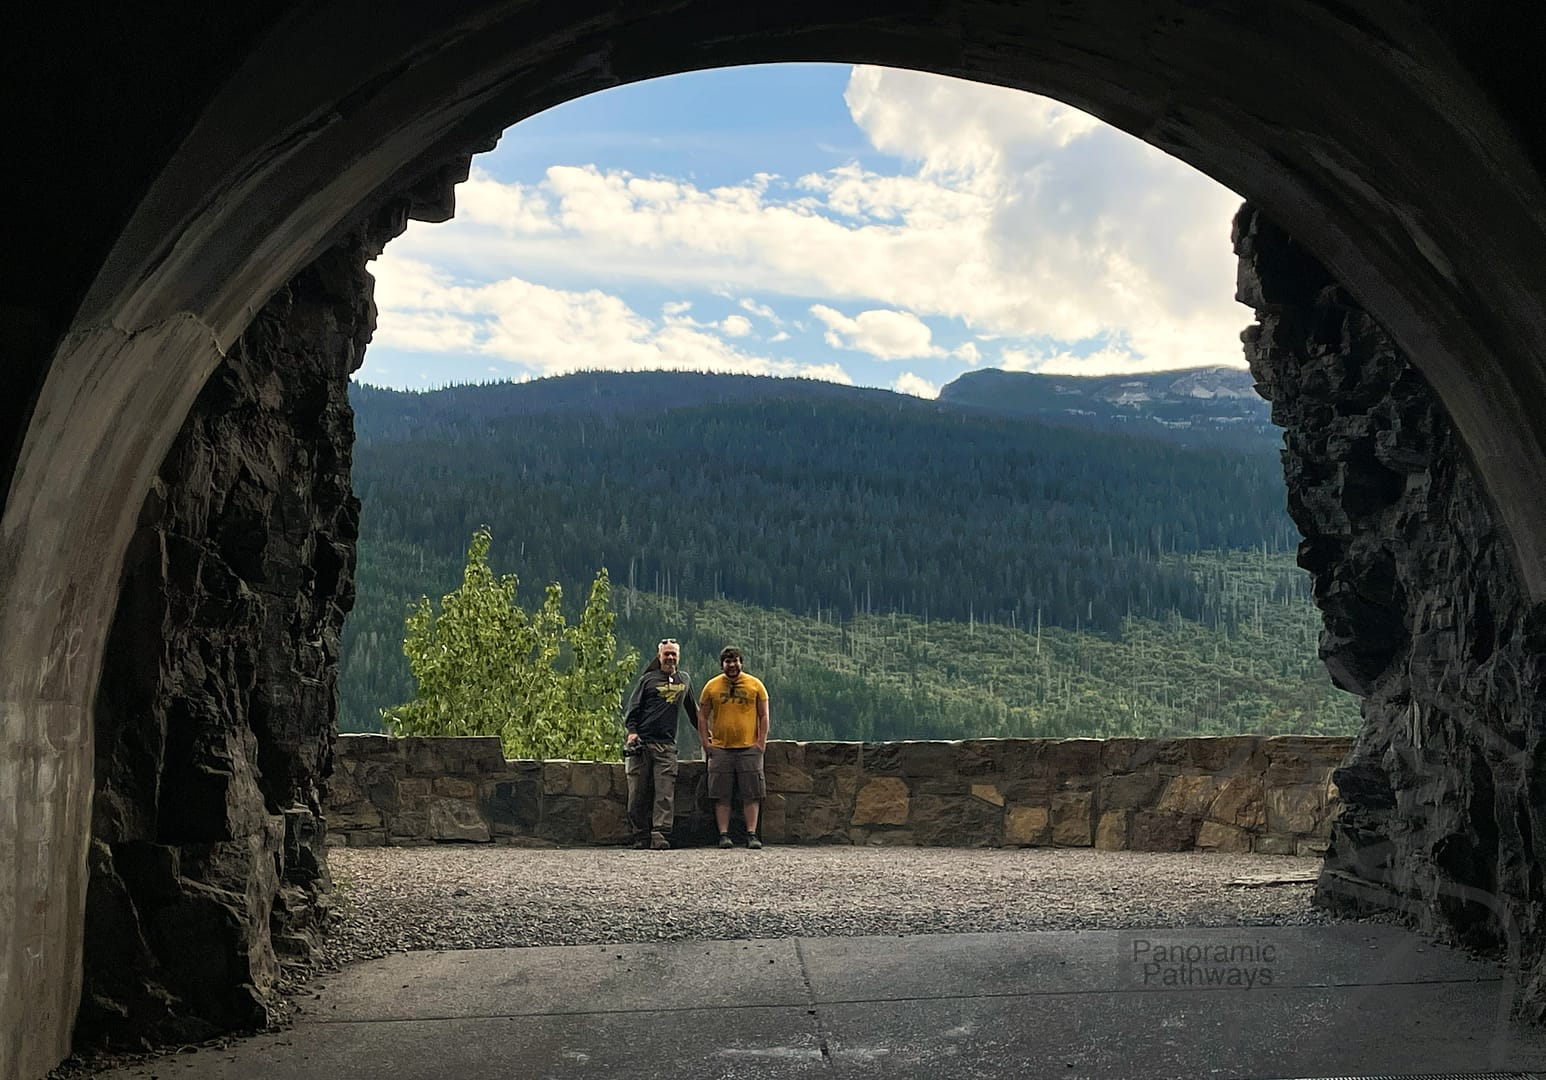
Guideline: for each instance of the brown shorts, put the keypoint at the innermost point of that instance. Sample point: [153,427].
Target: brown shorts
[737,771]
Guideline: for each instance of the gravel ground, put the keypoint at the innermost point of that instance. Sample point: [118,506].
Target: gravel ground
[400,899]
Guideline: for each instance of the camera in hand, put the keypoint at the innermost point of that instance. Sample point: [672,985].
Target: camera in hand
[633,749]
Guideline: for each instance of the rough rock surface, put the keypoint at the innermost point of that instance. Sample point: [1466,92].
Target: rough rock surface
[217,706]
[1444,793]
[216,710]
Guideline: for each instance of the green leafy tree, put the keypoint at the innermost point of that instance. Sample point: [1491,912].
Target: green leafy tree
[485,667]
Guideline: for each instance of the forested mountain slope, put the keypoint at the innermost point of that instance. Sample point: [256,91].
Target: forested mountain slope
[817,500]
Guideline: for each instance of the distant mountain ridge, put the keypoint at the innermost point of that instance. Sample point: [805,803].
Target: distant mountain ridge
[1213,406]
[397,414]
[839,475]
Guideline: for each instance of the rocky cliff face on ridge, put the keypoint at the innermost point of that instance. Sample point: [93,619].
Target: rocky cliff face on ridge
[1214,406]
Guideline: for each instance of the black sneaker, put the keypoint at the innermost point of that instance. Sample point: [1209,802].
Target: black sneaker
[754,843]
[642,844]
[724,840]
[659,843]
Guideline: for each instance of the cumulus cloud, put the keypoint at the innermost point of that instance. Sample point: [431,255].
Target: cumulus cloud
[886,335]
[511,209]
[736,325]
[826,372]
[547,331]
[1102,234]
[1105,361]
[1017,216]
[916,385]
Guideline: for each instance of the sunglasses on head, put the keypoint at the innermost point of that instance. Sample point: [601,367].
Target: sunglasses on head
[665,641]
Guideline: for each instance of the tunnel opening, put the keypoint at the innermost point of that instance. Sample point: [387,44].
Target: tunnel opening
[536,313]
[317,328]
[179,283]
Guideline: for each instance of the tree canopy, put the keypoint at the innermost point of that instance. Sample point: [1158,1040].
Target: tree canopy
[483,666]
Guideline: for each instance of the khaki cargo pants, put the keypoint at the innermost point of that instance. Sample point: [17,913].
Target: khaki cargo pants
[651,788]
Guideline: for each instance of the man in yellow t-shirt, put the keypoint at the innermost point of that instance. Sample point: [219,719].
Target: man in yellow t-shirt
[733,723]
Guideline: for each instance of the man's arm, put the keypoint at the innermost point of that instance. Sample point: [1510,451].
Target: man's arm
[705,723]
[691,705]
[762,722]
[631,713]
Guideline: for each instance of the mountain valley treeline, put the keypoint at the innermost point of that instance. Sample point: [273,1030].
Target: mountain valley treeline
[829,507]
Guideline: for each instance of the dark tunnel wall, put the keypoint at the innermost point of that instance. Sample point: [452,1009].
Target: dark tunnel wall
[1444,795]
[218,703]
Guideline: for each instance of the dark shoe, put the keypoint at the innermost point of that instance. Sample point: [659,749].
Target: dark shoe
[724,840]
[754,843]
[642,844]
[659,843]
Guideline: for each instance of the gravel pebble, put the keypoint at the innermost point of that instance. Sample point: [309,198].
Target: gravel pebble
[402,899]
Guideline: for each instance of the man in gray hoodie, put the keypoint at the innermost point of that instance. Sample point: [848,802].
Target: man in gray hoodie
[649,751]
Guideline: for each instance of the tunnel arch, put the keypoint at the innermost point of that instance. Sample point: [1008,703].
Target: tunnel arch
[1364,130]
[1397,172]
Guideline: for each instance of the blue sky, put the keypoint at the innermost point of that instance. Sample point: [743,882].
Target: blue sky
[864,225]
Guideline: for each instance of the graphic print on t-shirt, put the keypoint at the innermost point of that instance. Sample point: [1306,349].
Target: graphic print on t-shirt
[734,692]
[670,691]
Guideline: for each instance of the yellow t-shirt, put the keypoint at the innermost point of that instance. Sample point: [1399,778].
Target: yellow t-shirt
[735,709]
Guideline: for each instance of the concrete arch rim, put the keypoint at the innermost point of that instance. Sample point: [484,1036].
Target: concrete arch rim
[1327,174]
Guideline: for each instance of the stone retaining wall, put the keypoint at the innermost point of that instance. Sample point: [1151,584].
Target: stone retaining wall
[1244,793]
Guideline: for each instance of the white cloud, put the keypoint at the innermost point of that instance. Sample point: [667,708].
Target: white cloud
[676,307]
[736,325]
[546,331]
[510,208]
[761,310]
[1107,361]
[916,385]
[826,372]
[782,335]
[967,351]
[886,335]
[1017,216]
[426,331]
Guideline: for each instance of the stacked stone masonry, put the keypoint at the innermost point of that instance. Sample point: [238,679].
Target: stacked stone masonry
[1237,794]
